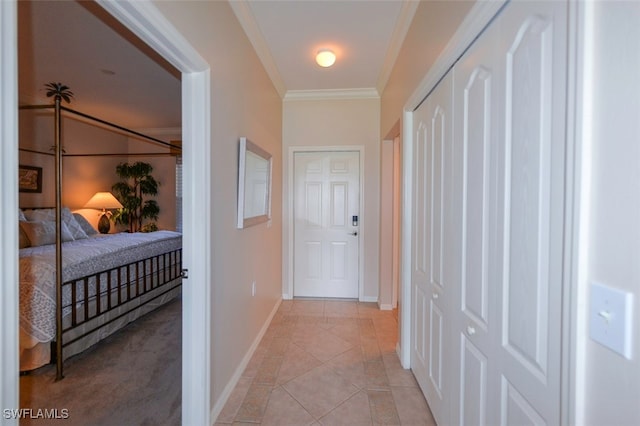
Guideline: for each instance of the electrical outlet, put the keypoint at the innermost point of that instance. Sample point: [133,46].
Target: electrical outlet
[253,288]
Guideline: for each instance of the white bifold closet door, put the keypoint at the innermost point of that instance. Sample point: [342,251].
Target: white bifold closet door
[488,226]
[431,283]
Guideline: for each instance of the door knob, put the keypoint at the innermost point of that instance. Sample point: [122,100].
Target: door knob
[471,330]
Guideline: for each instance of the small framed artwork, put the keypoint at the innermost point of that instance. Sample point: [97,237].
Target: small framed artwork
[29,178]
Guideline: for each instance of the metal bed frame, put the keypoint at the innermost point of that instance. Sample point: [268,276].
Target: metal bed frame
[144,280]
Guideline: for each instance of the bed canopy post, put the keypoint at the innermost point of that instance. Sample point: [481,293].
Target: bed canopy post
[58,179]
[59,92]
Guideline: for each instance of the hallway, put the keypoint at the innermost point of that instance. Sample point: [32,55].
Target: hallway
[327,362]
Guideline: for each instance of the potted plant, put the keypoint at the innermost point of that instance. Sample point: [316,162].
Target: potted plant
[133,191]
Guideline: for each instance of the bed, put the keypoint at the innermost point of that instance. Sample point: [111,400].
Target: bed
[107,281]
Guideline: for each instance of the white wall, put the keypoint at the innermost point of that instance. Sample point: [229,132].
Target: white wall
[385,297]
[608,385]
[244,103]
[336,122]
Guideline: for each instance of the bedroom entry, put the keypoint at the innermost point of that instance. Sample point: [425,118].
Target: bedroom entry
[326,211]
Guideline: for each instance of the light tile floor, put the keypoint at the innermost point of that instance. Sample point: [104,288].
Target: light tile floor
[327,362]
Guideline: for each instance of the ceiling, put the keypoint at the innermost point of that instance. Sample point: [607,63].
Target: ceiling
[112,74]
[365,35]
[115,76]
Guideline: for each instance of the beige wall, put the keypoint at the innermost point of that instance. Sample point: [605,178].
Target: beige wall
[339,122]
[243,103]
[164,171]
[433,25]
[84,176]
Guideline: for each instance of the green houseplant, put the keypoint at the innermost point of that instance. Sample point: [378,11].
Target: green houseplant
[134,190]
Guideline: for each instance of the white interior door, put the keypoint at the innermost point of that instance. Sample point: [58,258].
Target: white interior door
[326,235]
[431,286]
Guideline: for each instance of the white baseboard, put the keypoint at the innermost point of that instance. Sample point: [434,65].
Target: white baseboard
[226,393]
[385,306]
[369,299]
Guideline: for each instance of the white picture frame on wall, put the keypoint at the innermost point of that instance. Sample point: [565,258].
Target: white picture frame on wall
[254,184]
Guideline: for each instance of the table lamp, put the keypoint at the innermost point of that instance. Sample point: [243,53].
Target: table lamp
[104,201]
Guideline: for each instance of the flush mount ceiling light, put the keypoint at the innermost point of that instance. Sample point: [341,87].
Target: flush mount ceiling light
[325,58]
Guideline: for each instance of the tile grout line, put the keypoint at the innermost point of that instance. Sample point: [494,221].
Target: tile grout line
[238,417]
[370,392]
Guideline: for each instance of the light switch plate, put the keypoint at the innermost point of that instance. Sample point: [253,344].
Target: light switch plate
[610,317]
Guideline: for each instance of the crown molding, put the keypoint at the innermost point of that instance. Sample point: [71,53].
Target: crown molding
[242,10]
[405,18]
[332,94]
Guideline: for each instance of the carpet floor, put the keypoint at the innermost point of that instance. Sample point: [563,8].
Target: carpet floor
[133,377]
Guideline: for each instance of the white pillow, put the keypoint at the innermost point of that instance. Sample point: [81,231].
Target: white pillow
[32,214]
[43,233]
[84,224]
[40,215]
[74,227]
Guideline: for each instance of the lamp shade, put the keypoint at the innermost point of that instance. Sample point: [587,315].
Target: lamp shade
[103,200]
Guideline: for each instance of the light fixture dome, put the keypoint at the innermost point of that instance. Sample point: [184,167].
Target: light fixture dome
[325,58]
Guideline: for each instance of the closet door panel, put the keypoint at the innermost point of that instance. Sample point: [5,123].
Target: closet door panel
[421,262]
[527,195]
[532,194]
[476,127]
[431,283]
[478,103]
[473,384]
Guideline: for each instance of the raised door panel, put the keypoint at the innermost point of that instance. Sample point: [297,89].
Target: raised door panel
[516,408]
[421,261]
[436,193]
[476,151]
[473,385]
[436,348]
[422,213]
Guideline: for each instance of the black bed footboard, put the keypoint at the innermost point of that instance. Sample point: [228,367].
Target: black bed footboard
[94,302]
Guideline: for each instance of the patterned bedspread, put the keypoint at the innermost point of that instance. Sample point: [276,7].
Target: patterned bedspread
[79,258]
